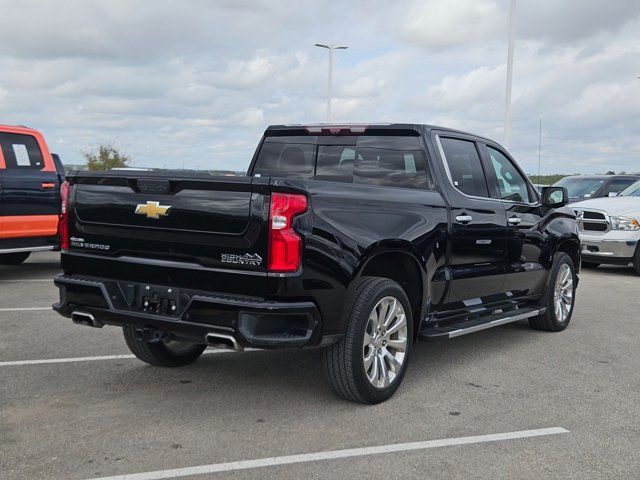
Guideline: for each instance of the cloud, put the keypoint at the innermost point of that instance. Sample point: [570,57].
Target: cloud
[195,83]
[447,23]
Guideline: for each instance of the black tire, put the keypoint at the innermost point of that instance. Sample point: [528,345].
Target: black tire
[549,320]
[343,362]
[636,260]
[161,354]
[590,265]
[14,258]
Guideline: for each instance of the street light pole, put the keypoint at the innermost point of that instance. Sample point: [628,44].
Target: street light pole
[507,103]
[330,75]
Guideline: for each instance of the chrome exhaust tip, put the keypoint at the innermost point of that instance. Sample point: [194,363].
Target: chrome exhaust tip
[220,340]
[84,318]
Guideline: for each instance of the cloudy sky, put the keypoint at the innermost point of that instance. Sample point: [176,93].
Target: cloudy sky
[195,83]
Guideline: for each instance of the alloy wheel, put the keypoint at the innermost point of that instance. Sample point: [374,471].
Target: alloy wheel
[385,342]
[563,293]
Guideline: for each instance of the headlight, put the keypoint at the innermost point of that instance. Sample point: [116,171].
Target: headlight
[624,223]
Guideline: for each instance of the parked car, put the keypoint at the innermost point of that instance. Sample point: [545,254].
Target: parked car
[585,187]
[29,195]
[610,229]
[358,240]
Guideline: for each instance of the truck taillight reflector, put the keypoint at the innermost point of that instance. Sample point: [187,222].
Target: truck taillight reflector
[285,249]
[63,226]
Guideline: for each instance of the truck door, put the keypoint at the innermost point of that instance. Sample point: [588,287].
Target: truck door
[478,224]
[525,273]
[30,191]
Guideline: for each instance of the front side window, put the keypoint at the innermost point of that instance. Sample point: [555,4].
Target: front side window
[512,185]
[21,151]
[615,187]
[465,166]
[632,191]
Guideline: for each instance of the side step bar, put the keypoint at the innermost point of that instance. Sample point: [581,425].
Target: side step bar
[469,326]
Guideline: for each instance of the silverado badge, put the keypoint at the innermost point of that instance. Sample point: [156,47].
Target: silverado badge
[152,209]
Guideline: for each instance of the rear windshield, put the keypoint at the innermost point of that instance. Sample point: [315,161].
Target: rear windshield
[395,161]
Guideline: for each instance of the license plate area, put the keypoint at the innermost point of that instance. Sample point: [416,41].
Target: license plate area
[155,299]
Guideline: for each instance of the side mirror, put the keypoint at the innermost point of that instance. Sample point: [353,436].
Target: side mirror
[613,194]
[555,197]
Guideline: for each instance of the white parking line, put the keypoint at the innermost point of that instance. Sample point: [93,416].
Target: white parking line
[63,360]
[25,309]
[28,280]
[333,455]
[45,361]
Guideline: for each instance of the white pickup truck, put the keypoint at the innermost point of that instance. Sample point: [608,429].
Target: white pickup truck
[610,229]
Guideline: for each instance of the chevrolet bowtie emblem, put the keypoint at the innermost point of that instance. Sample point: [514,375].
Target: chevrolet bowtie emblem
[152,209]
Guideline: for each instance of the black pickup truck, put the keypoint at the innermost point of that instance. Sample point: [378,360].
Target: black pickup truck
[359,240]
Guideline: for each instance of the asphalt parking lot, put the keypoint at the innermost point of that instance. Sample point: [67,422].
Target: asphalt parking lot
[75,405]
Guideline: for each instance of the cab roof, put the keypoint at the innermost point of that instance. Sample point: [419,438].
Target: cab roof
[362,128]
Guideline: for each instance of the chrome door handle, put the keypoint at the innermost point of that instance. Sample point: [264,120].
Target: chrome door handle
[464,218]
[514,220]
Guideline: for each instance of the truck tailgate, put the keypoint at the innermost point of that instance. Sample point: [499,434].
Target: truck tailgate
[202,220]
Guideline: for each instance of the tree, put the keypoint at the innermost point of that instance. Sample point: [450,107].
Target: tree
[105,157]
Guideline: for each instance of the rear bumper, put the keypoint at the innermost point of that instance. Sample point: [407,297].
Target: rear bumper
[249,321]
[611,247]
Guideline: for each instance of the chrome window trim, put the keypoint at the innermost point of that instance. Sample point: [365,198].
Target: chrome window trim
[446,167]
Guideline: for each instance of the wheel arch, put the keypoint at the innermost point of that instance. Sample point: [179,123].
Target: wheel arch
[400,264]
[572,248]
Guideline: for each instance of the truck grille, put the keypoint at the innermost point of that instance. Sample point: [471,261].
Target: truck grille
[593,221]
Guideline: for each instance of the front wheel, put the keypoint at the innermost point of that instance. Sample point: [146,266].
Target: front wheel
[13,258]
[368,365]
[560,296]
[636,260]
[161,354]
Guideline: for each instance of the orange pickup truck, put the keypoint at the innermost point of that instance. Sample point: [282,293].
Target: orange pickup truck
[30,180]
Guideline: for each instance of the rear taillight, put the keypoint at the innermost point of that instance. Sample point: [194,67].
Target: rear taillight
[63,226]
[285,249]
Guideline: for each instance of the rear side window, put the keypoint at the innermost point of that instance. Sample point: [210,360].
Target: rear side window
[21,151]
[465,166]
[366,160]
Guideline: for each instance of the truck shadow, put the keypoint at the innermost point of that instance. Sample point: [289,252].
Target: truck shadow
[610,269]
[38,265]
[231,381]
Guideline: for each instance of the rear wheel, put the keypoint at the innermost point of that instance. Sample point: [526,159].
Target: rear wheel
[560,296]
[161,354]
[14,258]
[368,365]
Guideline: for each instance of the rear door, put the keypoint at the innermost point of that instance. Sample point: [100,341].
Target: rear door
[30,189]
[525,274]
[478,231]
